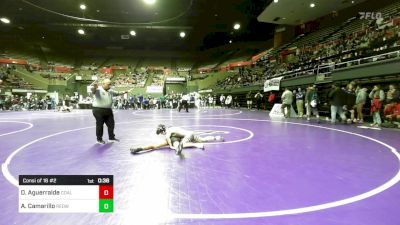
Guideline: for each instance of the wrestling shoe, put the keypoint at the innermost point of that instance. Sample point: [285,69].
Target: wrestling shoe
[202,147]
[136,150]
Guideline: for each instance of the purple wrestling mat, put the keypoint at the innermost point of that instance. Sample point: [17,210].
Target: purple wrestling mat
[273,172]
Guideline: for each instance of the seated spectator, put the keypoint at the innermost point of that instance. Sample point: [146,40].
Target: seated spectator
[377,96]
[393,114]
[392,97]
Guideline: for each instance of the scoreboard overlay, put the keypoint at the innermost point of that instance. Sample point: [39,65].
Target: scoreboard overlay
[66,194]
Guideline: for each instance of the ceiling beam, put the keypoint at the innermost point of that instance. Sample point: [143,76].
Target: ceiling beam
[100,25]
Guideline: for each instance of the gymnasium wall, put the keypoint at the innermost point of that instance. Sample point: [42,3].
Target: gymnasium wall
[175,88]
[374,69]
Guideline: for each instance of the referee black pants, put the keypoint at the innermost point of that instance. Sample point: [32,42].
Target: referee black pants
[185,104]
[104,115]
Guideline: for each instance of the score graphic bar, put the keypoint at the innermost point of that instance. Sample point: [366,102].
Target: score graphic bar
[66,193]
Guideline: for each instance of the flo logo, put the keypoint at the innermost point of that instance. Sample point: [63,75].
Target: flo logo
[370,15]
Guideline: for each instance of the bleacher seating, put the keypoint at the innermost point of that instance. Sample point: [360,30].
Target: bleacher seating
[11,81]
[158,80]
[130,79]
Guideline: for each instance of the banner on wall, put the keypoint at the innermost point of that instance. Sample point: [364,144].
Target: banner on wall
[175,79]
[272,84]
[63,69]
[89,88]
[276,112]
[241,63]
[206,91]
[154,89]
[17,90]
[13,61]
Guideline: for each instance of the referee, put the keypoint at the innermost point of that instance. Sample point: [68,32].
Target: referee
[102,111]
[184,103]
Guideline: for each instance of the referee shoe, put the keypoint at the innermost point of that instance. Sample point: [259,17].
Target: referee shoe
[113,140]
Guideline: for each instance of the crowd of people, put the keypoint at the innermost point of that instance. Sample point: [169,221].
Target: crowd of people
[244,77]
[10,80]
[132,79]
[55,76]
[19,102]
[146,102]
[49,72]
[347,102]
[37,102]
[172,101]
[372,39]
[158,80]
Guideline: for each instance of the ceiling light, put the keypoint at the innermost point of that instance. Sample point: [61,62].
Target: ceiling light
[236,26]
[230,42]
[82,6]
[352,2]
[276,1]
[149,2]
[312,5]
[133,33]
[81,31]
[4,20]
[182,34]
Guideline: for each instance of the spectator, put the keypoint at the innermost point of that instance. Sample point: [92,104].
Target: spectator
[140,100]
[162,101]
[2,101]
[210,101]
[249,99]
[361,98]
[236,102]
[337,99]
[228,101]
[272,98]
[392,97]
[222,100]
[393,113]
[377,96]
[300,102]
[350,100]
[287,100]
[258,98]
[312,101]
